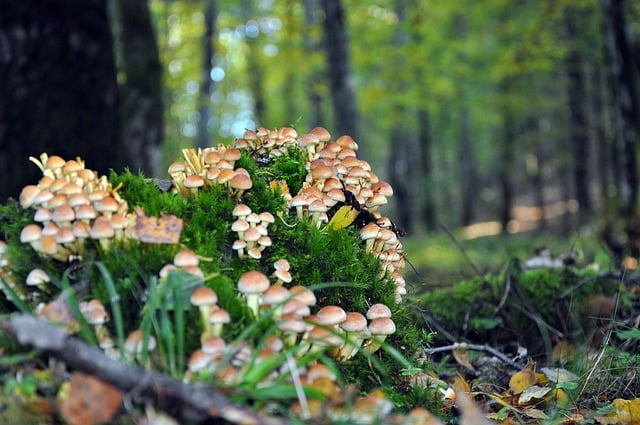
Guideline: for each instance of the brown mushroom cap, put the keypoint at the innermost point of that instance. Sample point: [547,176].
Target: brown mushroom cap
[377,311]
[331,315]
[203,296]
[253,282]
[185,257]
[101,229]
[241,182]
[63,214]
[241,210]
[28,195]
[354,322]
[303,294]
[281,264]
[382,326]
[276,294]
[30,233]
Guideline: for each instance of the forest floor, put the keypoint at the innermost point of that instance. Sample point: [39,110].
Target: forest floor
[574,362]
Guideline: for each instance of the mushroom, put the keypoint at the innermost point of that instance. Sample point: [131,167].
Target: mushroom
[380,328]
[239,184]
[31,234]
[37,277]
[252,284]
[355,328]
[217,319]
[193,183]
[239,245]
[274,298]
[185,258]
[102,231]
[204,298]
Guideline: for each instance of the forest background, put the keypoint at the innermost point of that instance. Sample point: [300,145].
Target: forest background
[519,115]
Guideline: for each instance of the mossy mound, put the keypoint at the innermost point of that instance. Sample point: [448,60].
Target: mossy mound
[125,273]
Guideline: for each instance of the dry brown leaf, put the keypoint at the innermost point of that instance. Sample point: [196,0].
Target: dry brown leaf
[627,413]
[534,413]
[534,393]
[165,229]
[89,401]
[461,354]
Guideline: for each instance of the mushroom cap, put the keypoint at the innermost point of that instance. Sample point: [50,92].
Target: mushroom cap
[255,253]
[331,315]
[28,195]
[321,133]
[37,277]
[231,154]
[193,181]
[239,243]
[241,181]
[106,204]
[63,213]
[185,257]
[281,264]
[240,225]
[253,218]
[85,212]
[377,311]
[355,322]
[253,282]
[199,360]
[303,294]
[54,162]
[214,346]
[176,167]
[283,275]
[317,206]
[276,294]
[369,231]
[252,234]
[65,235]
[42,215]
[266,217]
[320,370]
[382,326]
[219,315]
[30,233]
[241,210]
[204,296]
[81,230]
[101,229]
[48,245]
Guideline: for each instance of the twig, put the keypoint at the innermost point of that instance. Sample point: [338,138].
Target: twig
[475,347]
[200,400]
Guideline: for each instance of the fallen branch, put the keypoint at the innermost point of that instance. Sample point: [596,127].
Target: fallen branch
[475,347]
[193,400]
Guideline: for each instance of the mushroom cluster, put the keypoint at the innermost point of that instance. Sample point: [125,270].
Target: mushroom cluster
[251,229]
[333,168]
[208,167]
[341,334]
[72,204]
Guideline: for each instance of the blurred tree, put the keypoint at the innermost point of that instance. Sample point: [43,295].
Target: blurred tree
[625,87]
[206,82]
[339,69]
[141,86]
[58,88]
[316,78]
[254,66]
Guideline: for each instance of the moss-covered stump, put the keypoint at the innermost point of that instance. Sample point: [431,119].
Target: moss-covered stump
[537,307]
[140,267]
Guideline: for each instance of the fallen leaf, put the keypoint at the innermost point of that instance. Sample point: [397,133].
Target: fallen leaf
[534,413]
[461,354]
[165,229]
[522,380]
[533,392]
[627,412]
[89,401]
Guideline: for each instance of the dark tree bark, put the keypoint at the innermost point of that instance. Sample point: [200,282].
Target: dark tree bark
[142,105]
[468,173]
[316,77]
[506,159]
[427,188]
[626,102]
[598,115]
[342,93]
[255,69]
[578,123]
[58,88]
[206,84]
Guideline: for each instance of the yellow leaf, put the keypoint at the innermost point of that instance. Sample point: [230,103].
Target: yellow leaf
[165,229]
[522,380]
[627,413]
[559,397]
[343,217]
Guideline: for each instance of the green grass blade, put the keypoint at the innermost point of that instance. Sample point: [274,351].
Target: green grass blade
[114,300]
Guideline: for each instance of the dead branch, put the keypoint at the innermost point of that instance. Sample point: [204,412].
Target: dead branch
[475,347]
[197,400]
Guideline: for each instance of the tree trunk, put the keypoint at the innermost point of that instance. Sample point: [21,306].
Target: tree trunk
[400,177]
[316,77]
[598,115]
[426,167]
[255,69]
[142,105]
[506,159]
[207,85]
[468,174]
[58,87]
[578,137]
[342,93]
[624,70]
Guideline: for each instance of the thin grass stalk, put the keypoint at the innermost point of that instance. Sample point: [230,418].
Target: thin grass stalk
[114,300]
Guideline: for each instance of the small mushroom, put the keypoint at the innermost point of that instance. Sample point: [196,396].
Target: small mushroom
[252,284]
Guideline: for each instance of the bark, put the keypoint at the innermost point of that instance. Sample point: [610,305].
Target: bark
[506,162]
[578,123]
[196,402]
[256,73]
[142,105]
[316,77]
[342,93]
[625,86]
[58,87]
[468,174]
[598,115]
[207,85]
[426,167]
[400,178]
